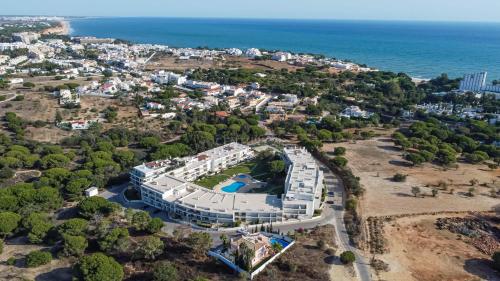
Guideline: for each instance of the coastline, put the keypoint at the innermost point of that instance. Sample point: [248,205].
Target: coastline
[386,46]
[63,28]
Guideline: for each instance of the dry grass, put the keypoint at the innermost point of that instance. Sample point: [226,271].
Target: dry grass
[375,161]
[310,262]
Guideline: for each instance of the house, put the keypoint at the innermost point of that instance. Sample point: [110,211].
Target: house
[66,97]
[356,112]
[253,52]
[257,242]
[281,56]
[109,88]
[233,91]
[16,81]
[222,114]
[234,52]
[155,106]
[79,124]
[255,86]
[91,191]
[290,98]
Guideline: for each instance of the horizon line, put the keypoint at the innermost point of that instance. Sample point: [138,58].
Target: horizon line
[265,18]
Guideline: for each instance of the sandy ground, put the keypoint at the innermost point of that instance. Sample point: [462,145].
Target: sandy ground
[43,107]
[375,161]
[56,270]
[419,251]
[172,63]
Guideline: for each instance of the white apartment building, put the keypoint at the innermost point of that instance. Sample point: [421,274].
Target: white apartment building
[476,82]
[167,185]
[25,37]
[18,60]
[303,184]
[473,82]
[169,77]
[12,46]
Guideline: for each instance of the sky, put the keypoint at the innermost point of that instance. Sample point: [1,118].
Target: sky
[427,10]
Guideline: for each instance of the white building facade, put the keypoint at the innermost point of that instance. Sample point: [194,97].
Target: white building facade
[167,185]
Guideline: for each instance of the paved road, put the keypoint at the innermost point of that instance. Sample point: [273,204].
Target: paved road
[334,214]
[333,184]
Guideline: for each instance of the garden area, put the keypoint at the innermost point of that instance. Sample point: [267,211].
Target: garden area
[266,167]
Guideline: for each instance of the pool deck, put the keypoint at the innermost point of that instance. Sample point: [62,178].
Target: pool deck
[250,183]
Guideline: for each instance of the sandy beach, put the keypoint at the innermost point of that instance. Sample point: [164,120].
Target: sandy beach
[63,28]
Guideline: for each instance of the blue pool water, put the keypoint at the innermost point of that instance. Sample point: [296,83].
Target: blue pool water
[280,241]
[234,187]
[242,176]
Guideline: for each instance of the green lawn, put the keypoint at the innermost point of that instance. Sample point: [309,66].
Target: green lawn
[258,170]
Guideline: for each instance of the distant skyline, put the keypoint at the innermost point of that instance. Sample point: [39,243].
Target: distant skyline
[411,10]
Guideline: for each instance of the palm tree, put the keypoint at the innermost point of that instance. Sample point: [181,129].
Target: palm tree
[277,247]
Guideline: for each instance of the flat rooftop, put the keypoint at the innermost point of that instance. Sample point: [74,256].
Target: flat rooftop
[194,196]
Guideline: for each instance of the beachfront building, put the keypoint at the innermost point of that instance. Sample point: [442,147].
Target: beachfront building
[168,185]
[476,82]
[473,82]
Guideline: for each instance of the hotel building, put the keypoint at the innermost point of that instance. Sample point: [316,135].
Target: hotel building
[167,185]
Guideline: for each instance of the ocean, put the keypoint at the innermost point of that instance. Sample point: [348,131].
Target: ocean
[420,49]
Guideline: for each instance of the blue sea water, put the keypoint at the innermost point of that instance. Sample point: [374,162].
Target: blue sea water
[234,187]
[421,49]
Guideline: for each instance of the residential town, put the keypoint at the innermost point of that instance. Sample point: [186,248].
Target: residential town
[151,162]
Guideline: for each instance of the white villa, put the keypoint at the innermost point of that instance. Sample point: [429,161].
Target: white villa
[167,185]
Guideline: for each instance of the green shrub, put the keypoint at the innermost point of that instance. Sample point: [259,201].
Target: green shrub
[99,267]
[38,258]
[339,151]
[339,161]
[351,204]
[399,177]
[164,271]
[347,257]
[11,261]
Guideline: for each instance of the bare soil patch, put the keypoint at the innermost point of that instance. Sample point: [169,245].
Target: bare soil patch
[305,260]
[57,269]
[418,250]
[377,160]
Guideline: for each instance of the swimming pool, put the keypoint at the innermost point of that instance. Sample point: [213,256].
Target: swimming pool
[242,176]
[280,241]
[234,187]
